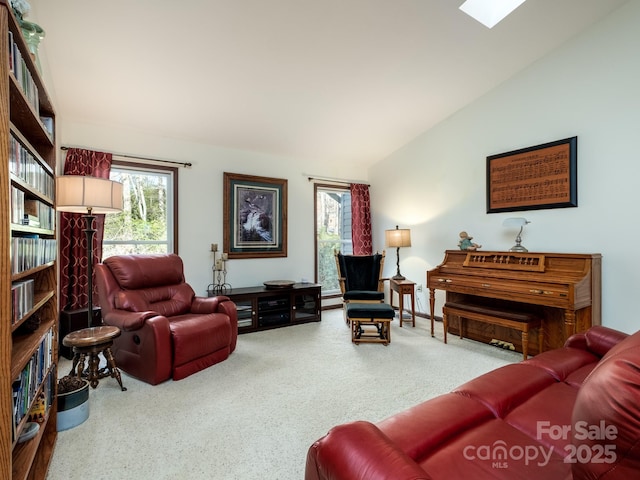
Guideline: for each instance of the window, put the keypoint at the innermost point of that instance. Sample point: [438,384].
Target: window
[333,232]
[147,222]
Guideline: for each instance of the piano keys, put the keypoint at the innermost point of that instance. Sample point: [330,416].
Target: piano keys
[563,288]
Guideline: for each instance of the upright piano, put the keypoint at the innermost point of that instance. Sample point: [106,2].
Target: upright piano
[564,289]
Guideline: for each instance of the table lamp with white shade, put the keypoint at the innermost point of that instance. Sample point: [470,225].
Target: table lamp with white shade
[398,238]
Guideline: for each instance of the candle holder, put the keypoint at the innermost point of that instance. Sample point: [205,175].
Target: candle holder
[219,269]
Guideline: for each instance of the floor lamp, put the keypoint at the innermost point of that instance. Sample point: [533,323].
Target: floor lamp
[90,196]
[400,237]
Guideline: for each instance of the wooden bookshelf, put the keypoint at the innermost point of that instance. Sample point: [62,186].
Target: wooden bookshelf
[27,256]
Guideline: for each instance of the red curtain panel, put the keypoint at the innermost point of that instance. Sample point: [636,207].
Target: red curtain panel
[361,219]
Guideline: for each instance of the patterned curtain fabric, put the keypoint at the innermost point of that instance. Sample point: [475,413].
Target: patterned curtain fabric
[361,219]
[72,255]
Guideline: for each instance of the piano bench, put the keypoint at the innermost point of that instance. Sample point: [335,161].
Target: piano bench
[520,321]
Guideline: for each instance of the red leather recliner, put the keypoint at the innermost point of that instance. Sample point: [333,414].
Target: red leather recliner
[167,331]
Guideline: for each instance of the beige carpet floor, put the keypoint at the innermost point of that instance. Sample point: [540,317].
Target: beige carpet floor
[255,415]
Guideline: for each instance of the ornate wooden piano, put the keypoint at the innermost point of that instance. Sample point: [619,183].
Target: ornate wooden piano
[564,289]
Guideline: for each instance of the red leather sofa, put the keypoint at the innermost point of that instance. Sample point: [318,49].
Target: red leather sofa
[569,413]
[167,331]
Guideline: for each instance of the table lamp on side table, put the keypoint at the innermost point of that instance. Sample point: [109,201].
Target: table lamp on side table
[398,238]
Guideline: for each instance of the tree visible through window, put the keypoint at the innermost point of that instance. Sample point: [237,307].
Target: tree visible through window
[333,232]
[146,224]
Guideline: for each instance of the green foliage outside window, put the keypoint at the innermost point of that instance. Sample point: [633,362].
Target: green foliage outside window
[333,232]
[327,272]
[142,225]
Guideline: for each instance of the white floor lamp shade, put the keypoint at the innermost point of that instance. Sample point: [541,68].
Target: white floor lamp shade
[79,194]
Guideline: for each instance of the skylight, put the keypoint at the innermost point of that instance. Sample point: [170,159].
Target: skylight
[490,12]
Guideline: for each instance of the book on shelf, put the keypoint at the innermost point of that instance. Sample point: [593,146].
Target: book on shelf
[17,205]
[40,213]
[25,166]
[30,251]
[31,212]
[12,61]
[30,220]
[23,76]
[36,374]
[47,122]
[31,207]
[22,295]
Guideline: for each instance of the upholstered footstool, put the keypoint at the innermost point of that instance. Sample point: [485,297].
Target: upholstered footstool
[370,322]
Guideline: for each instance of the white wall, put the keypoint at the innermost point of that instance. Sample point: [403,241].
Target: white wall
[435,185]
[200,200]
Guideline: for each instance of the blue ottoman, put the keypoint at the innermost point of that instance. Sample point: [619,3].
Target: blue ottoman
[370,322]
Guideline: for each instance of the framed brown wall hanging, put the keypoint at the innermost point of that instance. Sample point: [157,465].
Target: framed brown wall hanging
[254,216]
[534,178]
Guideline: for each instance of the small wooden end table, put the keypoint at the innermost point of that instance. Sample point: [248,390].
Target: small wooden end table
[403,287]
[90,342]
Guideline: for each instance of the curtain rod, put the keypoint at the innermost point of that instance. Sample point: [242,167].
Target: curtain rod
[311,178]
[136,157]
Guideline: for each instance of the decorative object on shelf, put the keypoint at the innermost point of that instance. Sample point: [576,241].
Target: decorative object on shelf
[219,284]
[32,32]
[465,242]
[398,238]
[88,195]
[543,176]
[279,283]
[31,324]
[255,216]
[20,8]
[516,222]
[38,410]
[73,402]
[29,431]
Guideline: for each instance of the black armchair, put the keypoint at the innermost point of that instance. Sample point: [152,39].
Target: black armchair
[360,277]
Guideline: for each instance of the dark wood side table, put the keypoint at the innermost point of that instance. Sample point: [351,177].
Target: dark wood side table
[72,320]
[403,287]
[90,342]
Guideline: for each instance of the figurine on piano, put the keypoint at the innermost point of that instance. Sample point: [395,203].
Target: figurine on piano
[465,242]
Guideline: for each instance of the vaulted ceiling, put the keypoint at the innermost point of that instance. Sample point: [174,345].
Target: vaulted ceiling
[321,80]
